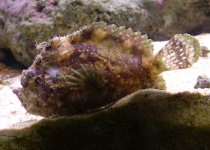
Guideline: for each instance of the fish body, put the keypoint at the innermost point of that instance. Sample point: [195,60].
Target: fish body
[89,69]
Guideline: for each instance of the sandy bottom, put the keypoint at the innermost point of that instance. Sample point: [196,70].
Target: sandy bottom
[185,79]
[13,115]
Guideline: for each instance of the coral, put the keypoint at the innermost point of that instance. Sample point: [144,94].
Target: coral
[88,69]
[180,52]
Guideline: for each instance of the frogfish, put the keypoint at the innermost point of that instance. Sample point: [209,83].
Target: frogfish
[97,65]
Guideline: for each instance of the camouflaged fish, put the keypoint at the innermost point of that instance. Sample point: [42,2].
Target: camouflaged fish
[96,66]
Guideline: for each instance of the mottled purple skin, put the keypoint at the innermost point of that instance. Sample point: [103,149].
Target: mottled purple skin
[88,70]
[34,82]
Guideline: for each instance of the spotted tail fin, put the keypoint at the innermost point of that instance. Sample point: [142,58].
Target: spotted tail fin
[180,52]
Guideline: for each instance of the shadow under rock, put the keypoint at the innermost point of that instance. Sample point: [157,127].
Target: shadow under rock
[9,60]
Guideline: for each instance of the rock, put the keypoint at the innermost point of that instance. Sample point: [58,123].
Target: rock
[147,119]
[204,51]
[19,31]
[202,82]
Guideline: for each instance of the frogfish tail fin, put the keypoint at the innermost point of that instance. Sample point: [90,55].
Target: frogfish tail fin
[180,52]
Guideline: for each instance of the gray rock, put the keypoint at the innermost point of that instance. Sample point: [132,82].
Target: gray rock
[147,119]
[202,82]
[25,22]
[204,51]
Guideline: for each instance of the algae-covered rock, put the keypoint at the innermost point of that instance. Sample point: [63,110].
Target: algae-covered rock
[25,22]
[147,119]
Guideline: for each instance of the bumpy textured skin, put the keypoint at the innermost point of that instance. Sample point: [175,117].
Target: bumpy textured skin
[88,69]
[180,52]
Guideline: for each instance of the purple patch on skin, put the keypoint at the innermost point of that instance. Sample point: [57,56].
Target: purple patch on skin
[44,54]
[24,81]
[44,90]
[134,60]
[31,73]
[135,51]
[90,51]
[86,48]
[17,91]
[53,71]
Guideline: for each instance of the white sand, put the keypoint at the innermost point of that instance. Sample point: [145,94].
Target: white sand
[11,110]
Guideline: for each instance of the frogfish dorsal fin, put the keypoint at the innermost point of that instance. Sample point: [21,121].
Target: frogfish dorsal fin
[180,52]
